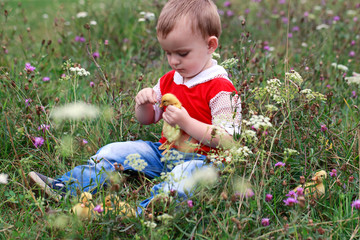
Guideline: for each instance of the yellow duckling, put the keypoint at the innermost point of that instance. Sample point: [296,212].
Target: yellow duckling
[113,203]
[172,134]
[315,188]
[85,208]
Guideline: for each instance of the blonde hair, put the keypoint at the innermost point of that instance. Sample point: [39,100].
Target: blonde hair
[202,13]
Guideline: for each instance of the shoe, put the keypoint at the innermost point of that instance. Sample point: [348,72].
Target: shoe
[53,189]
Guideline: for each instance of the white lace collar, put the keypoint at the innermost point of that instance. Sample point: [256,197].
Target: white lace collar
[214,71]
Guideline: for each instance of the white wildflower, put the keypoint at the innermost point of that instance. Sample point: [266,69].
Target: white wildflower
[146,16]
[241,151]
[290,152]
[317,8]
[45,16]
[150,224]
[81,14]
[250,135]
[294,76]
[135,162]
[322,26]
[271,108]
[304,44]
[216,55]
[340,67]
[257,121]
[204,176]
[229,63]
[165,217]
[351,12]
[93,22]
[75,111]
[355,78]
[3,178]
[306,91]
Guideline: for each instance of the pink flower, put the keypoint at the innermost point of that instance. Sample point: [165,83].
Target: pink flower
[29,68]
[79,39]
[92,84]
[227,4]
[336,18]
[249,193]
[356,204]
[265,222]
[333,173]
[84,141]
[353,94]
[352,54]
[291,194]
[98,209]
[229,13]
[46,79]
[106,42]
[299,191]
[38,141]
[27,102]
[96,55]
[268,198]
[295,29]
[290,35]
[280,164]
[290,201]
[43,127]
[323,128]
[190,203]
[352,42]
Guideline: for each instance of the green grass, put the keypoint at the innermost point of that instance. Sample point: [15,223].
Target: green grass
[133,60]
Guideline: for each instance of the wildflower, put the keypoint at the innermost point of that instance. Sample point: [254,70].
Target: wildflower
[271,108]
[106,42]
[352,54]
[81,14]
[96,55]
[79,39]
[27,102]
[336,18]
[295,29]
[290,35]
[75,111]
[265,222]
[299,191]
[3,178]
[322,26]
[355,78]
[93,22]
[280,164]
[98,209]
[356,204]
[291,194]
[204,175]
[165,217]
[44,127]
[84,141]
[258,121]
[227,4]
[229,13]
[340,67]
[294,76]
[290,201]
[92,84]
[323,128]
[290,152]
[190,203]
[352,42]
[29,68]
[353,94]
[268,197]
[79,71]
[150,224]
[146,16]
[333,173]
[46,79]
[134,161]
[38,142]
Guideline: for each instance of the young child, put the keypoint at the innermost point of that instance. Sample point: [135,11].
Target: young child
[188,32]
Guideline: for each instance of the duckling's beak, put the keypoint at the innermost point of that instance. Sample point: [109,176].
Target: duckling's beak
[161,105]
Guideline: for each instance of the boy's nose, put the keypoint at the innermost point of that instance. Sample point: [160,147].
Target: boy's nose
[174,61]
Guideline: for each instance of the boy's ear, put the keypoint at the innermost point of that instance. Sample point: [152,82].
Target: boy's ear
[212,43]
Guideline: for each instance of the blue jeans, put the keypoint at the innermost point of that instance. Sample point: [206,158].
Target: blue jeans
[96,173]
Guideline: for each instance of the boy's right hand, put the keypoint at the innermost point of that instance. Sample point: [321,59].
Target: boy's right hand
[146,96]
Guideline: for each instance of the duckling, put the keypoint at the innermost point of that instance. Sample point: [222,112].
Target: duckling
[172,134]
[85,208]
[113,203]
[316,187]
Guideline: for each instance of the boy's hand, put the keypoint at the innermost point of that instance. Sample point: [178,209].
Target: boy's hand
[174,115]
[146,96]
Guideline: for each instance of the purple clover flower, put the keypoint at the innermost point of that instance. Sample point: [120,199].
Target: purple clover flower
[27,102]
[356,204]
[291,194]
[279,164]
[353,94]
[29,68]
[323,128]
[98,209]
[46,79]
[290,201]
[44,127]
[38,141]
[352,53]
[299,191]
[92,84]
[336,18]
[96,55]
[227,4]
[265,222]
[333,173]
[268,197]
[190,203]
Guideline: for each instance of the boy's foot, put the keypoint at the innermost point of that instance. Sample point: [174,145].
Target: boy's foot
[52,188]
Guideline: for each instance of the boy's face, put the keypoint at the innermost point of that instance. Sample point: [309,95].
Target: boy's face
[187,52]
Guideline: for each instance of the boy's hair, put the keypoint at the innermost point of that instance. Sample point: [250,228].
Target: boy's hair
[202,13]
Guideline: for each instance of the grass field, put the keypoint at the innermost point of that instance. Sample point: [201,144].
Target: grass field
[296,63]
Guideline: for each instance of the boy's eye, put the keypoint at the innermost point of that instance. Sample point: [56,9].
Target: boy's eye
[183,54]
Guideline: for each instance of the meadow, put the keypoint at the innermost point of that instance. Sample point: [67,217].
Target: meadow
[295,64]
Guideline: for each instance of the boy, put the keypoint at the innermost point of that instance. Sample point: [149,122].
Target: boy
[188,31]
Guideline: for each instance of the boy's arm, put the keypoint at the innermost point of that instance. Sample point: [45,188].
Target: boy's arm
[144,110]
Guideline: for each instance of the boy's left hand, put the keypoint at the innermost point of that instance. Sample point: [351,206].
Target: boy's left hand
[174,115]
